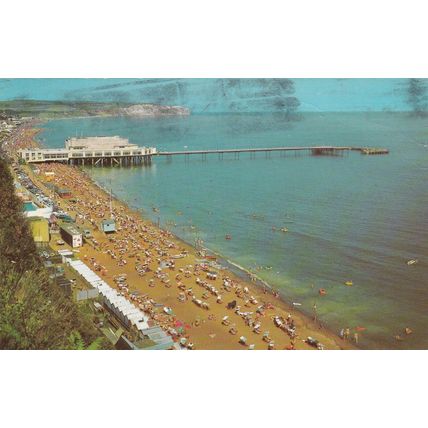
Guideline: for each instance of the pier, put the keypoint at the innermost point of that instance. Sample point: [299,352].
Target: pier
[313,150]
[116,151]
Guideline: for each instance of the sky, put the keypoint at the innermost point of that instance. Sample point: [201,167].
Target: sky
[221,95]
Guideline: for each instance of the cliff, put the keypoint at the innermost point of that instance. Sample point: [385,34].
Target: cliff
[139,110]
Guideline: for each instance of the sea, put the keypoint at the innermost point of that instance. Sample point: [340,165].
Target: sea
[352,218]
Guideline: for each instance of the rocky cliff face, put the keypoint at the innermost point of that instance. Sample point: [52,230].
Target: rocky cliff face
[139,110]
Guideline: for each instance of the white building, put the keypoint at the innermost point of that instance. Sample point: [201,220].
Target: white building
[92,151]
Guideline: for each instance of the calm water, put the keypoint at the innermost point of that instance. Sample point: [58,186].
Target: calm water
[355,217]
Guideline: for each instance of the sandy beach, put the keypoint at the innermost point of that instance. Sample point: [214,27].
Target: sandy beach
[211,308]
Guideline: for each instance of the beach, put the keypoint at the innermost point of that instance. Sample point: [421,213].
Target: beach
[162,271]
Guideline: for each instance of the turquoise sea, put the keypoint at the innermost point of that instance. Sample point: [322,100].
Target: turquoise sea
[354,217]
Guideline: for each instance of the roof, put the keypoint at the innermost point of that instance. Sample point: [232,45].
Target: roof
[101,143]
[65,252]
[108,221]
[63,190]
[71,229]
[113,298]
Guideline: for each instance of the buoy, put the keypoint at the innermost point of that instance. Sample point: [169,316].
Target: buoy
[322,291]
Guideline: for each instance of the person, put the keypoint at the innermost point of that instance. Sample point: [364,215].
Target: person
[356,337]
[346,335]
[292,346]
[341,333]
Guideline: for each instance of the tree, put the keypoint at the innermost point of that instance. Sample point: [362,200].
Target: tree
[34,312]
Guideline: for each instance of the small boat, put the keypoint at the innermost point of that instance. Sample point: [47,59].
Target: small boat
[284,229]
[297,304]
[228,237]
[412,262]
[349,283]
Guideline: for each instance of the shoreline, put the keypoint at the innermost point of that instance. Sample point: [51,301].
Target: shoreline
[303,321]
[235,268]
[227,264]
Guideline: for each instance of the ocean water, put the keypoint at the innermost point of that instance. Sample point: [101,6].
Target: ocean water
[349,217]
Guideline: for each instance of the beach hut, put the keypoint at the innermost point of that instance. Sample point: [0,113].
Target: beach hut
[64,193]
[108,226]
[71,235]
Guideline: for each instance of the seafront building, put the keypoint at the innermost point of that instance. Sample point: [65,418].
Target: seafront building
[71,235]
[92,151]
[108,225]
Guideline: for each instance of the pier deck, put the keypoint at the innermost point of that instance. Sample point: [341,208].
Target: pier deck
[253,150]
[134,155]
[314,150]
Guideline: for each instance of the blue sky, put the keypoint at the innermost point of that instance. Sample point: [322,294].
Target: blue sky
[219,95]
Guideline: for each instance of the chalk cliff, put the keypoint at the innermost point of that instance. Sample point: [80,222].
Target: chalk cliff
[139,110]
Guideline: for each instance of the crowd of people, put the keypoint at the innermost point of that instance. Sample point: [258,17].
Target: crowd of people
[153,253]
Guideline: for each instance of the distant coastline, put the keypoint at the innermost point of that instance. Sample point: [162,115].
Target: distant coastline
[79,109]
